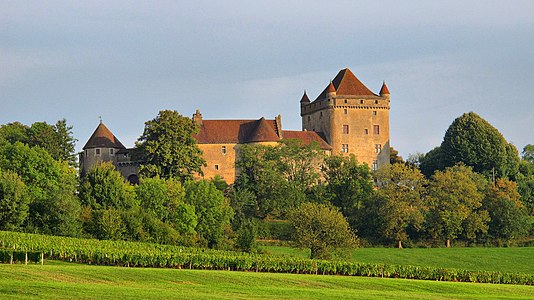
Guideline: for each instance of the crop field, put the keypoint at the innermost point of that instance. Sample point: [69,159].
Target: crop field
[513,259]
[60,280]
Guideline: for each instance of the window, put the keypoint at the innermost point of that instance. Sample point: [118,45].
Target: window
[86,153]
[216,167]
[366,131]
[375,165]
[376,129]
[374,112]
[223,150]
[320,115]
[361,101]
[97,151]
[111,151]
[345,111]
[308,118]
[345,148]
[378,148]
[376,101]
[345,100]
[345,129]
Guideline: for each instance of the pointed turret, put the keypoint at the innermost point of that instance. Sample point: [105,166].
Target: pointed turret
[304,99]
[384,89]
[330,90]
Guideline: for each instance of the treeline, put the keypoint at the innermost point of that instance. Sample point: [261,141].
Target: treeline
[474,189]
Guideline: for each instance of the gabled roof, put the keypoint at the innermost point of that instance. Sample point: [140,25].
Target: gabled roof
[307,137]
[346,83]
[103,138]
[237,131]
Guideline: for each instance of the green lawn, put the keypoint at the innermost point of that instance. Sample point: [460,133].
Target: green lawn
[57,280]
[515,259]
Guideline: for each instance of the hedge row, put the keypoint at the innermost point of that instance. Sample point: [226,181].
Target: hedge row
[160,256]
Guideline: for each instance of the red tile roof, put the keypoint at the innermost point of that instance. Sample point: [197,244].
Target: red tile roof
[103,138]
[384,90]
[307,137]
[237,131]
[346,83]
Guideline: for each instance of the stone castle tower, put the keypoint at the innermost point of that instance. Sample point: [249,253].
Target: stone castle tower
[351,118]
[103,146]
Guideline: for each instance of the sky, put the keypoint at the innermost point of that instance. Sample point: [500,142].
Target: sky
[124,61]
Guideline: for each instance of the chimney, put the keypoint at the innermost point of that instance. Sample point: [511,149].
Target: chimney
[197,117]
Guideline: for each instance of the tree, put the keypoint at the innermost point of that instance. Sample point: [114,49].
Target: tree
[432,161]
[348,183]
[528,153]
[54,207]
[394,157]
[168,149]
[165,200]
[508,216]
[104,187]
[320,228]
[401,208]
[280,177]
[14,201]
[212,208]
[455,200]
[473,141]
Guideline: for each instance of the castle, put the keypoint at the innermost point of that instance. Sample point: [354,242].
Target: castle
[346,118]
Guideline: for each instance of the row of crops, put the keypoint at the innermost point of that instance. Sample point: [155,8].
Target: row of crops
[130,254]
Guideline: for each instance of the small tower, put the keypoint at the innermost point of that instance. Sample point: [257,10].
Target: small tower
[304,100]
[384,92]
[102,146]
[330,91]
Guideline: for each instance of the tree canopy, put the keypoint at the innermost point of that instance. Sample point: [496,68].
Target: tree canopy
[320,228]
[475,142]
[167,147]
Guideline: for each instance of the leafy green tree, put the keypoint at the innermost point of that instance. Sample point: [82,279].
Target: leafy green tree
[432,161]
[401,207]
[212,209]
[348,183]
[56,139]
[104,187]
[14,201]
[54,207]
[280,177]
[246,236]
[394,157]
[14,132]
[168,149]
[454,201]
[320,228]
[528,153]
[473,141]
[165,200]
[509,218]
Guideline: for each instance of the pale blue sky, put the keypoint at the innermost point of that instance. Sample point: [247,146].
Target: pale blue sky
[126,60]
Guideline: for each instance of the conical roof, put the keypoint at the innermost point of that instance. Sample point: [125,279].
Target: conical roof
[384,90]
[330,88]
[305,98]
[103,138]
[346,83]
[263,133]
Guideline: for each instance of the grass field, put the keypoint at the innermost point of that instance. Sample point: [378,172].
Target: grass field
[514,259]
[59,280]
